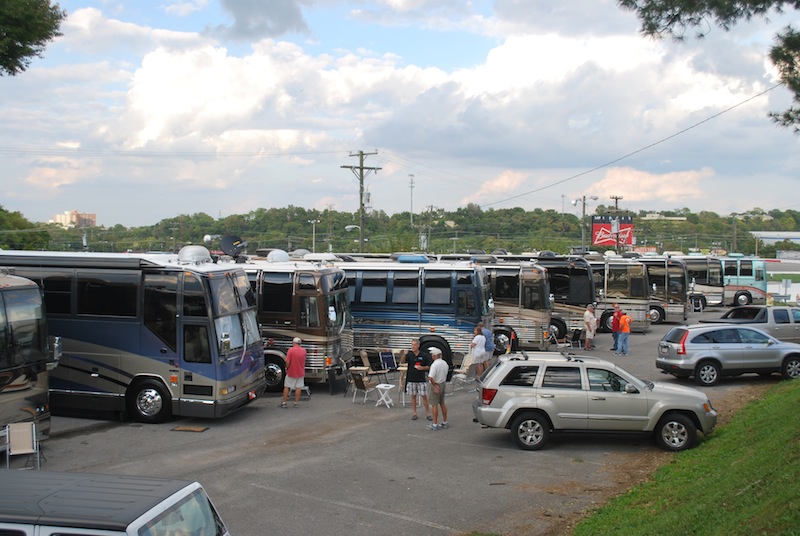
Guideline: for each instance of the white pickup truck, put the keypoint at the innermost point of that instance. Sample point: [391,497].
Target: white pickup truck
[781,322]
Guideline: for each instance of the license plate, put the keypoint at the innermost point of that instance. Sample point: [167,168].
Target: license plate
[663,350]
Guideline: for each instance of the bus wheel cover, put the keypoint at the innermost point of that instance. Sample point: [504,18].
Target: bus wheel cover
[275,371]
[149,401]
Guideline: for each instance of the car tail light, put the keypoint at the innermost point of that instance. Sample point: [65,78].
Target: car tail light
[487,395]
[682,347]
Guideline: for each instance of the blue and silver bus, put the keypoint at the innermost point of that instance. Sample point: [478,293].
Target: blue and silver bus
[150,335]
[440,303]
[27,355]
[745,279]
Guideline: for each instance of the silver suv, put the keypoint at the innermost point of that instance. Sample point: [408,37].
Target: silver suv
[535,395]
[710,351]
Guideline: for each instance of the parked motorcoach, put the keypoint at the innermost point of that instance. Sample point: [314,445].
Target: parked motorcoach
[300,299]
[152,335]
[27,355]
[440,303]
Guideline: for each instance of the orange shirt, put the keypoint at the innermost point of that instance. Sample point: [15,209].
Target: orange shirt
[625,323]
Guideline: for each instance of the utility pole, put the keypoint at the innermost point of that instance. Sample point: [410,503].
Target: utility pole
[616,199]
[361,172]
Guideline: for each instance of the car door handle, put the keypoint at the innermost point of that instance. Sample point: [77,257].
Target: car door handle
[548,396]
[598,398]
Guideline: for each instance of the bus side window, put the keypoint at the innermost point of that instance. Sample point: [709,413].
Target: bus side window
[194,299]
[161,306]
[5,357]
[195,344]
[466,303]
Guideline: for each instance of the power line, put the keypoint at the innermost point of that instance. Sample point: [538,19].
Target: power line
[581,174]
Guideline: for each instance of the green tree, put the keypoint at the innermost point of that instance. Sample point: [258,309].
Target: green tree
[26,26]
[674,18]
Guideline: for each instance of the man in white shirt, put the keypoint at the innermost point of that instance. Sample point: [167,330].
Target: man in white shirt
[437,376]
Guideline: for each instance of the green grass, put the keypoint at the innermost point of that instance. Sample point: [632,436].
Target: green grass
[743,479]
[795,278]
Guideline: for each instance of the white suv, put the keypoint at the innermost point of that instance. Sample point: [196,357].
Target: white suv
[534,396]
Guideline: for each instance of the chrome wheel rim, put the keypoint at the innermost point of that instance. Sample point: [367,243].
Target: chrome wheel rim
[674,434]
[708,374]
[149,402]
[530,432]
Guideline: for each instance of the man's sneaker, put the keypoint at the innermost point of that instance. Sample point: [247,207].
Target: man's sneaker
[445,425]
[296,405]
[433,427]
[283,405]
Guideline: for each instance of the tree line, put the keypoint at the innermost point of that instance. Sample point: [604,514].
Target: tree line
[466,229]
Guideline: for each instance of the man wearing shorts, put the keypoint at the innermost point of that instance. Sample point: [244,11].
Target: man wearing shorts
[418,363]
[295,372]
[437,376]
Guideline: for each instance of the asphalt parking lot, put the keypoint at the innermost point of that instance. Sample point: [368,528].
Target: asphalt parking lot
[335,467]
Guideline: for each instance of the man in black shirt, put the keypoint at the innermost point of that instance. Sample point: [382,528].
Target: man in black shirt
[419,362]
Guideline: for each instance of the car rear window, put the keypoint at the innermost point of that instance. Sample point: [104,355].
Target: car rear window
[562,377]
[675,335]
[523,376]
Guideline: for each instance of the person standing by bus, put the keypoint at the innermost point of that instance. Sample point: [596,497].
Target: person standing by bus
[590,325]
[295,372]
[419,362]
[615,326]
[624,333]
[478,349]
[437,378]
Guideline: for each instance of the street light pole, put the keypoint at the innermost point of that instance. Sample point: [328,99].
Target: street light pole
[583,219]
[313,235]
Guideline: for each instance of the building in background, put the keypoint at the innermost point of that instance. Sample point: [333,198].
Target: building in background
[73,218]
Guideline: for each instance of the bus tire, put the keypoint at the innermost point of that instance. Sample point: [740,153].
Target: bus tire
[656,315]
[149,401]
[275,372]
[606,322]
[559,328]
[447,355]
[502,341]
[742,298]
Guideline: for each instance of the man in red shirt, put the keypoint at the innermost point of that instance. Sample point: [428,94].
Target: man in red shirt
[295,372]
[615,326]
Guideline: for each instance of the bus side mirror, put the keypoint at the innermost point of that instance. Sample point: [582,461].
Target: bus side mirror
[54,351]
[224,343]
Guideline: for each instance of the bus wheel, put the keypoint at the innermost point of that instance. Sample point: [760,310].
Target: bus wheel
[558,328]
[149,401]
[606,322]
[502,341]
[656,315]
[743,298]
[275,369]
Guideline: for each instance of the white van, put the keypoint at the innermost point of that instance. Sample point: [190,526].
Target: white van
[41,503]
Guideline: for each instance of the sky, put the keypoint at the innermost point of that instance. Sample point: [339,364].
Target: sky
[143,111]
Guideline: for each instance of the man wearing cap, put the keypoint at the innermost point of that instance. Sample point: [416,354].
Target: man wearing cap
[437,376]
[590,325]
[295,372]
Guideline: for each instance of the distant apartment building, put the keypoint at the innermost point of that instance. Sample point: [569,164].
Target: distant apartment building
[73,218]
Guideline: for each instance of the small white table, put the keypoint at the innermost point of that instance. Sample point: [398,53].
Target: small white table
[383,390]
